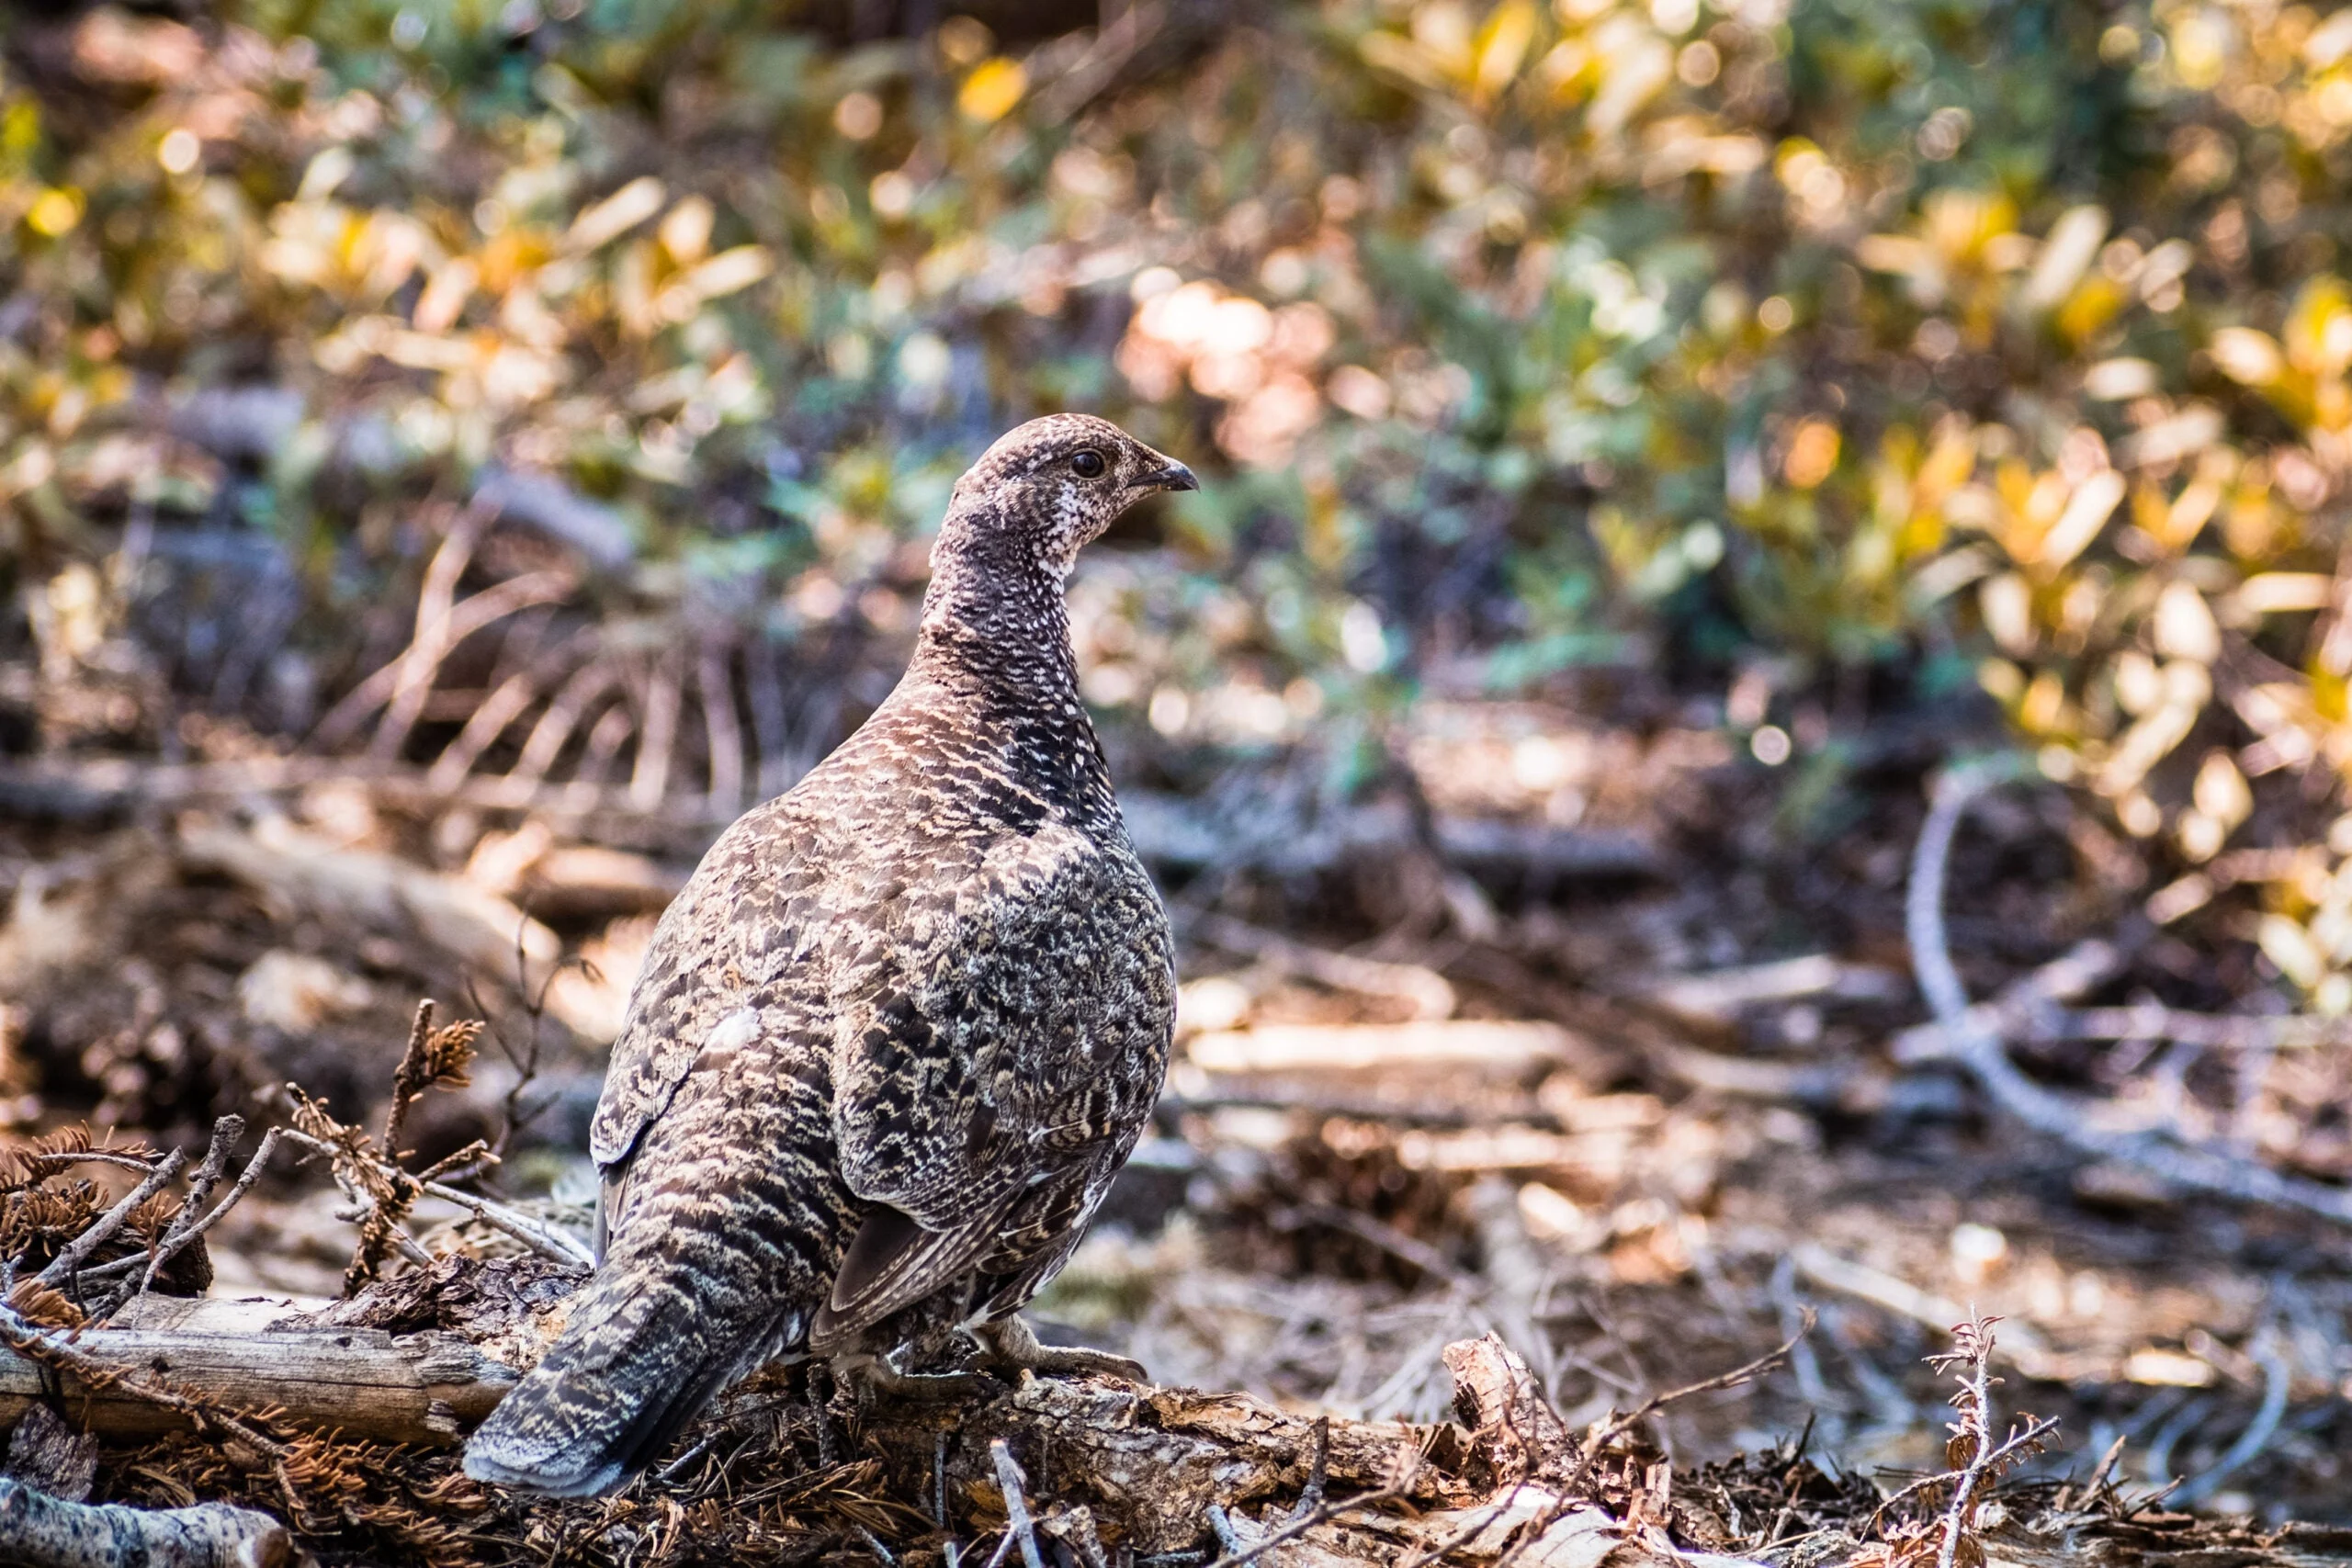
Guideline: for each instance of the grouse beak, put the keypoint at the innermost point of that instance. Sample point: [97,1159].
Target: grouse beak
[1175,476]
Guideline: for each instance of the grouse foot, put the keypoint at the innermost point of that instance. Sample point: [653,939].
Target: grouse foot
[1010,1345]
[874,1375]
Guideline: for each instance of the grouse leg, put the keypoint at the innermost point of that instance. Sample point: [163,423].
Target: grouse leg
[1010,1345]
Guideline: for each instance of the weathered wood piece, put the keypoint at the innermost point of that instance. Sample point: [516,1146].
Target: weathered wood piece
[368,1382]
[1492,1048]
[41,1531]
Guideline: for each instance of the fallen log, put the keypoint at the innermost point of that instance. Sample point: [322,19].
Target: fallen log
[427,1388]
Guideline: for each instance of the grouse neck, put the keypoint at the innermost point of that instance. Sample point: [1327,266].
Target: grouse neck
[999,624]
[995,656]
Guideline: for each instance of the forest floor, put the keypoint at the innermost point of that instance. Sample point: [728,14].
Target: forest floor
[1611,1060]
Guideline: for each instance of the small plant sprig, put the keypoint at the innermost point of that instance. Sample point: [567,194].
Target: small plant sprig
[1946,1531]
[382,1190]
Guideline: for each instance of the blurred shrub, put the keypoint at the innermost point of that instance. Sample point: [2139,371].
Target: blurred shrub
[1775,343]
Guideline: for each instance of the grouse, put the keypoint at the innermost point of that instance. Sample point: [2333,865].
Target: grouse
[896,1035]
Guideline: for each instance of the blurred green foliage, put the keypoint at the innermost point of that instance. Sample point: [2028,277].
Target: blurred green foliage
[1783,345]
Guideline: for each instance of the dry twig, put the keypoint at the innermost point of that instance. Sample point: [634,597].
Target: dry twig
[61,1268]
[1973,1437]
[2277,1379]
[194,1231]
[1982,1049]
[1016,1506]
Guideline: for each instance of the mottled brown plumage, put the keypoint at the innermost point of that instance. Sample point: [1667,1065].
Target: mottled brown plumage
[899,1033]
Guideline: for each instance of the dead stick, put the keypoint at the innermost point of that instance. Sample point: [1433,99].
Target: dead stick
[49,1164]
[1961,1511]
[1228,1535]
[237,1189]
[1985,1052]
[61,1268]
[408,1079]
[545,1240]
[1016,1507]
[548,1242]
[225,1133]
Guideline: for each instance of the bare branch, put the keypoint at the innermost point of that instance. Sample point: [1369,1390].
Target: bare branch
[237,1189]
[2277,1379]
[77,1252]
[546,1240]
[1983,1050]
[1016,1506]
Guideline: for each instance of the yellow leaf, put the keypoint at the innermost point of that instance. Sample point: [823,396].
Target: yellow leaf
[2064,256]
[2278,593]
[993,87]
[2087,513]
[1399,57]
[1502,46]
[1948,464]
[2247,357]
[2318,330]
[2042,709]
[1561,73]
[685,232]
[2185,626]
[2187,516]
[2090,307]
[55,211]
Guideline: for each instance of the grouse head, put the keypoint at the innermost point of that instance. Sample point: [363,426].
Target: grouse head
[1050,486]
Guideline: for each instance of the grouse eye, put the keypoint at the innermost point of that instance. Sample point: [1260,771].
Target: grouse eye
[1089,464]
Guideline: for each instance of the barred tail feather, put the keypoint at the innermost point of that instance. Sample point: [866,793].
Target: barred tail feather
[579,1436]
[635,1365]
